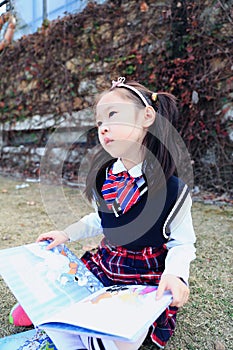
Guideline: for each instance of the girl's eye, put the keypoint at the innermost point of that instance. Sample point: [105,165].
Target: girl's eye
[111,114]
[99,123]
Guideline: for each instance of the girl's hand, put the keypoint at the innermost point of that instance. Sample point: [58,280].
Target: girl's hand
[57,237]
[179,290]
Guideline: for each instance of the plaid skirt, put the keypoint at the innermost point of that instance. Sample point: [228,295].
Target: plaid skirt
[117,265]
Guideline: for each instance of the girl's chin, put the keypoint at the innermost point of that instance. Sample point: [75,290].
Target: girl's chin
[120,150]
[113,153]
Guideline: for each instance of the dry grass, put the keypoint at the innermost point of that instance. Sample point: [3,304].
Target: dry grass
[204,323]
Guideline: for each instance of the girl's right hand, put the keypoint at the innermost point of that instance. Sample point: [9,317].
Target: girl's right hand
[57,237]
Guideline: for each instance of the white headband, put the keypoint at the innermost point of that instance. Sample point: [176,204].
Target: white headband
[120,83]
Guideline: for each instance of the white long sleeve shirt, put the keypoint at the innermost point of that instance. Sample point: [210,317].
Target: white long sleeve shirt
[181,249]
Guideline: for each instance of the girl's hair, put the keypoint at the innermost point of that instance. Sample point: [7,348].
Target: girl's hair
[158,142]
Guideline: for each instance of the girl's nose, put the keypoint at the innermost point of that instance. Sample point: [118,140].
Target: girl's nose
[104,128]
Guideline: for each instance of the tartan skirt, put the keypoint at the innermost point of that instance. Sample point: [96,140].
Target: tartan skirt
[117,265]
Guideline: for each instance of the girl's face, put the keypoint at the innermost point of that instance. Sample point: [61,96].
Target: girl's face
[121,128]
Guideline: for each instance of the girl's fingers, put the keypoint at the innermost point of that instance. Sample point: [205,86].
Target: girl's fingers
[43,237]
[179,299]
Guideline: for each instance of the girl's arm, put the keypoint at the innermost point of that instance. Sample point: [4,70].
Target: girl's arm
[88,226]
[181,251]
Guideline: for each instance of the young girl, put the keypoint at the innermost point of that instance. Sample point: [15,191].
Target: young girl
[143,210]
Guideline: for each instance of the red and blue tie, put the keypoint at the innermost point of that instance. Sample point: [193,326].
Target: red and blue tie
[120,191]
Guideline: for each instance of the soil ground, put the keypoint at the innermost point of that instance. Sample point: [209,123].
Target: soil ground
[205,322]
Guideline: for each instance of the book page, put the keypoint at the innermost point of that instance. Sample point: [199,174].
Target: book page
[119,311]
[45,281]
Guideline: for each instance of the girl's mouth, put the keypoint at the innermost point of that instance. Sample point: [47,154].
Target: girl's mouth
[107,140]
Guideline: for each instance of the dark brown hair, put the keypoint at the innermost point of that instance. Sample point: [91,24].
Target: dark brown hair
[158,163]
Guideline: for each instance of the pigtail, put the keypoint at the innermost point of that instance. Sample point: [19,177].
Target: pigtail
[161,148]
[166,106]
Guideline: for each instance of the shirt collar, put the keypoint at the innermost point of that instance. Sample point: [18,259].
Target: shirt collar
[118,167]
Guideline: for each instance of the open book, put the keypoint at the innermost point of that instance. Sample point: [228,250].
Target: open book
[60,294]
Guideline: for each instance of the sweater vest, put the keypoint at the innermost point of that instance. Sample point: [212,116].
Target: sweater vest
[146,223]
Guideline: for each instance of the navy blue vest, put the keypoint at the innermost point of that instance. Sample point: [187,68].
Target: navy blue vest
[143,224]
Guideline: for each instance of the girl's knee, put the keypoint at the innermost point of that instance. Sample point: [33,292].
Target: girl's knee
[131,346]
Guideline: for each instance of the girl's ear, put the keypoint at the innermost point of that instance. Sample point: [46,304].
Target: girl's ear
[149,116]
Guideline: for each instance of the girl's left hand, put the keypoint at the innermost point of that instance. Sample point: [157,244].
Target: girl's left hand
[179,290]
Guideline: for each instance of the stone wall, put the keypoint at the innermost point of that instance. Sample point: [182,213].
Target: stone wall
[49,79]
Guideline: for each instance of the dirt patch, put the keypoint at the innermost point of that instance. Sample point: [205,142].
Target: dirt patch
[204,323]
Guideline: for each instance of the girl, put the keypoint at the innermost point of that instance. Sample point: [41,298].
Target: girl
[143,210]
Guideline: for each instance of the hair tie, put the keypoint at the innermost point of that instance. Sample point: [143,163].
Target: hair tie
[154,96]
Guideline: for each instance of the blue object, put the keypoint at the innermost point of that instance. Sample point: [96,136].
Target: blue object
[14,341]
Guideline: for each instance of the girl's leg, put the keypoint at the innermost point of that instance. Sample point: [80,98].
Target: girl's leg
[105,344]
[98,344]
[131,346]
[66,341]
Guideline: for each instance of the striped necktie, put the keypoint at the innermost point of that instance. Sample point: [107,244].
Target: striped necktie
[121,191]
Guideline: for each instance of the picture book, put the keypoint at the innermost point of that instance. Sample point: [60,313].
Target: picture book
[61,296]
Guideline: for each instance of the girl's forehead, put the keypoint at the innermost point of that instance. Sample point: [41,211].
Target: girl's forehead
[112,98]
